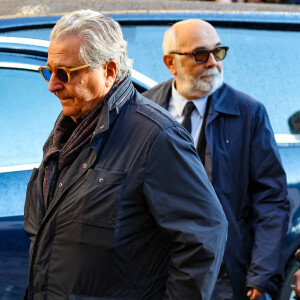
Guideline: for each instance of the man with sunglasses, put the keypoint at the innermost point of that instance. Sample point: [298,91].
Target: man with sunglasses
[120,207]
[235,142]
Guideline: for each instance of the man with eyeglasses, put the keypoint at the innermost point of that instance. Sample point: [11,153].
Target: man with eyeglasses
[120,207]
[234,140]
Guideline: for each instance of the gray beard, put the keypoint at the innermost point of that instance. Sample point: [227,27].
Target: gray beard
[199,87]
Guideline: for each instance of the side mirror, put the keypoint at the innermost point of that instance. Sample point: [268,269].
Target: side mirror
[294,122]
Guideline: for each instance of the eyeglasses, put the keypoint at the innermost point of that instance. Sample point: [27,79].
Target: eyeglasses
[62,73]
[201,56]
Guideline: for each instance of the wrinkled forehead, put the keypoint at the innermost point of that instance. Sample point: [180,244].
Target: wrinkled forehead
[64,50]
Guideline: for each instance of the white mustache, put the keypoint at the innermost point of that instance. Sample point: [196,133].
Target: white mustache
[211,72]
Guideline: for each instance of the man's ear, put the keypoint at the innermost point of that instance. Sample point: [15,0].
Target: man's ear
[171,63]
[111,72]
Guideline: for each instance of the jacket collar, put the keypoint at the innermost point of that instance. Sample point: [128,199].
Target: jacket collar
[224,100]
[120,95]
[165,93]
[114,104]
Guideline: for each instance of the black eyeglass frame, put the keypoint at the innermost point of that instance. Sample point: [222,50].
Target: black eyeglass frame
[194,53]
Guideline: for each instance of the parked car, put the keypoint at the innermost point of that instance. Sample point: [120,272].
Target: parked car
[263,61]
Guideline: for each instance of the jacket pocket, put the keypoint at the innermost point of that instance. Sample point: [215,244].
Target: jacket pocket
[97,199]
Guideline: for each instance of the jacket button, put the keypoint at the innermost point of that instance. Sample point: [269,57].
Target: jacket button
[100,179]
[84,166]
[60,185]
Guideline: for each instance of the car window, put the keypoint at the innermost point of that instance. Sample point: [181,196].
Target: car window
[261,63]
[28,112]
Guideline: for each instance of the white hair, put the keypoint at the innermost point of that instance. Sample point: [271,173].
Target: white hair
[170,41]
[101,36]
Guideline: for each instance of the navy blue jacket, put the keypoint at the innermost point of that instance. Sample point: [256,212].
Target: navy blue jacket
[250,182]
[134,218]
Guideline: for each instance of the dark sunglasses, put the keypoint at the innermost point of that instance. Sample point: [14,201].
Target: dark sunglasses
[201,56]
[62,73]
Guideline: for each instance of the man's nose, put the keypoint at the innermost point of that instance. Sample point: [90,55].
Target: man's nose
[211,62]
[55,84]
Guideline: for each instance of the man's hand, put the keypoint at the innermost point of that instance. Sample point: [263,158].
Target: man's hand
[296,285]
[254,294]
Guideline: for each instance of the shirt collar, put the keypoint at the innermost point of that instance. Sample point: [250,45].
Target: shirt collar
[180,102]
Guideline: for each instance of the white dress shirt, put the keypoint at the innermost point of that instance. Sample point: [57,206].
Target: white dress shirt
[176,108]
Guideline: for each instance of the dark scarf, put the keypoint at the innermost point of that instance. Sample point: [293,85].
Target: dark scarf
[69,140]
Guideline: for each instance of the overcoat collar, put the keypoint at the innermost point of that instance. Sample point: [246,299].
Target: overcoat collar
[223,99]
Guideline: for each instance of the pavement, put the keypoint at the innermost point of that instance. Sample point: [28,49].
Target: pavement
[23,8]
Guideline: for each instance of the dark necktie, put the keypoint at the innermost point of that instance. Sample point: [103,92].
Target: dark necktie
[201,146]
[188,109]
